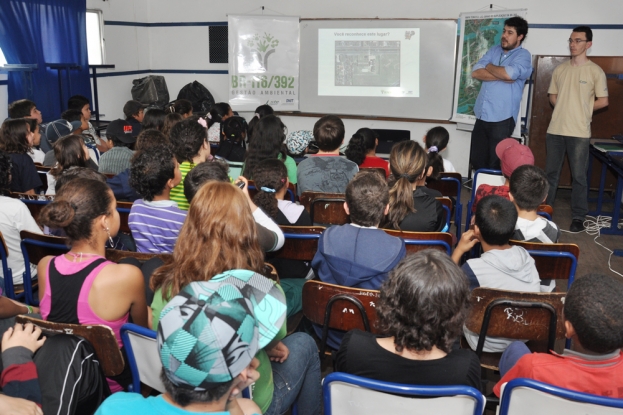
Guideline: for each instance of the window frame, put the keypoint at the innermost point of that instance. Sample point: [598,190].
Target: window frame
[100,16]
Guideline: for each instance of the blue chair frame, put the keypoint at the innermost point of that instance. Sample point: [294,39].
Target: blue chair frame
[7,274]
[29,297]
[545,215]
[399,389]
[556,391]
[458,207]
[468,218]
[429,242]
[553,254]
[125,339]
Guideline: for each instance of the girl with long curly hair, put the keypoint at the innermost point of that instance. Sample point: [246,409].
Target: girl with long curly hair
[219,235]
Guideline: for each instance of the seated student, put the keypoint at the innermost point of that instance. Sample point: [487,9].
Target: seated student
[35,153]
[528,189]
[209,382]
[61,128]
[169,121]
[422,307]
[219,236]
[260,112]
[134,113]
[501,266]
[16,140]
[189,140]
[81,286]
[120,183]
[90,136]
[592,313]
[75,116]
[268,143]
[218,113]
[232,146]
[362,150]
[155,220]
[69,151]
[123,138]
[412,206]
[182,107]
[511,155]
[297,143]
[359,254]
[436,141]
[326,171]
[153,119]
[268,232]
[63,367]
[25,108]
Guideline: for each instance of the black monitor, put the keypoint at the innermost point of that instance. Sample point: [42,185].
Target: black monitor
[387,139]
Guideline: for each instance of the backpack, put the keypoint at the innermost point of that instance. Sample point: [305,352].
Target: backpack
[199,95]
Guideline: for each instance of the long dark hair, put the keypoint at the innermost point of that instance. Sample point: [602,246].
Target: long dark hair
[69,152]
[154,119]
[360,144]
[268,143]
[270,176]
[260,112]
[217,112]
[14,136]
[436,140]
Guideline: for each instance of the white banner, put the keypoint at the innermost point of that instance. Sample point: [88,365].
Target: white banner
[263,62]
[479,32]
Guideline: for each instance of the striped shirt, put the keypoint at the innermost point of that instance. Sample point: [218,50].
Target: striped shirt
[177,193]
[155,225]
[539,230]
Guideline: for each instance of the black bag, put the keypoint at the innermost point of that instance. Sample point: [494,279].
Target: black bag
[151,90]
[199,95]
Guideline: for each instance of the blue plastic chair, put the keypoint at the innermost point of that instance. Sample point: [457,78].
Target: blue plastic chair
[146,356]
[429,242]
[346,394]
[7,273]
[523,396]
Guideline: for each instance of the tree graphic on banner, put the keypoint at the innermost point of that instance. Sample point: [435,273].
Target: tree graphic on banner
[264,45]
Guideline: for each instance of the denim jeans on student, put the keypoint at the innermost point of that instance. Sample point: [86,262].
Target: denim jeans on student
[298,378]
[485,137]
[511,355]
[577,150]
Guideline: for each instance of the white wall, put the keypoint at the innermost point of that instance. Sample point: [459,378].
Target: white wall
[133,48]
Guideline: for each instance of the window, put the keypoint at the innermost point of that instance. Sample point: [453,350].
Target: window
[95,40]
[2,59]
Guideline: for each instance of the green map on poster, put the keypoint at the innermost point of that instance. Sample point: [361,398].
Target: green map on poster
[479,36]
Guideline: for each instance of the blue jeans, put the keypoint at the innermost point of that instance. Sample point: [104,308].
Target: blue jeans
[577,149]
[485,137]
[511,355]
[298,378]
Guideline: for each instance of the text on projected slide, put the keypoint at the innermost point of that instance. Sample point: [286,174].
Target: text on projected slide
[372,62]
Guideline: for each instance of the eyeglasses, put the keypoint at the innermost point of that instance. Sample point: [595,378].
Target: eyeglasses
[576,41]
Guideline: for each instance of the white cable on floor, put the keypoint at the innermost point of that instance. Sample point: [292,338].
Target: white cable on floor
[593,226]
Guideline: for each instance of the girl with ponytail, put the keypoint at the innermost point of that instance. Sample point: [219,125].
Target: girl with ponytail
[411,208]
[218,113]
[436,140]
[362,150]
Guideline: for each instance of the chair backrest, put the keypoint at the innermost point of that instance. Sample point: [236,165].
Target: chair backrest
[448,186]
[301,242]
[291,192]
[144,361]
[546,211]
[418,241]
[522,396]
[38,246]
[101,338]
[553,261]
[346,394]
[516,315]
[336,307]
[325,208]
[446,202]
[34,203]
[116,255]
[124,214]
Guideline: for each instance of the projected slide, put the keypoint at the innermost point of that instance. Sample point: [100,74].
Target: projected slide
[369,62]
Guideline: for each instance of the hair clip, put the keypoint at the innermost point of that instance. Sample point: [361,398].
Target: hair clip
[267,189]
[433,149]
[202,122]
[257,115]
[209,116]
[283,180]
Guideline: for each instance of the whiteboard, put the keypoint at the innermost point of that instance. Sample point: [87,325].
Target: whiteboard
[435,83]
